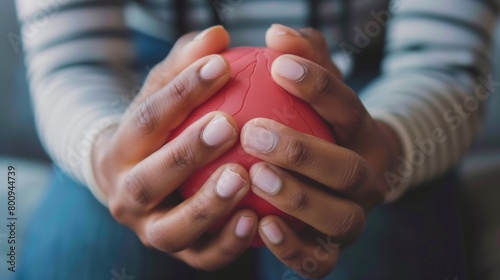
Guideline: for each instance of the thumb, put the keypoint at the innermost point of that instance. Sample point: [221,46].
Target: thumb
[308,43]
[188,49]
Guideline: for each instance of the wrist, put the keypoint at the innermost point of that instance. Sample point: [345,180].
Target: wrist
[393,145]
[395,150]
[99,135]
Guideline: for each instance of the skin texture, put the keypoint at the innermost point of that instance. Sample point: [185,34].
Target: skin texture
[139,173]
[347,178]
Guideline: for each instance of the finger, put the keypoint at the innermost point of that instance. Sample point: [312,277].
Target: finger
[156,177]
[328,95]
[308,43]
[146,128]
[345,219]
[186,50]
[309,258]
[227,245]
[336,167]
[179,227]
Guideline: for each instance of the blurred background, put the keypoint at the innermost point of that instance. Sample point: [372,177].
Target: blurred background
[19,146]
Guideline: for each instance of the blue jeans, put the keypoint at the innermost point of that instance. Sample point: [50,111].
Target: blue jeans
[72,236]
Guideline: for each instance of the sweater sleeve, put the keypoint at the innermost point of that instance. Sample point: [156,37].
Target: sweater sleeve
[80,67]
[434,83]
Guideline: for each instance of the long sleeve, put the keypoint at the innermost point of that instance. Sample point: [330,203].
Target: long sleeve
[80,67]
[436,79]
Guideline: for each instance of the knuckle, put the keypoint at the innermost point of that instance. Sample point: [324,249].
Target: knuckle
[355,173]
[136,188]
[179,89]
[146,117]
[298,153]
[300,200]
[358,117]
[200,208]
[180,157]
[323,83]
[349,224]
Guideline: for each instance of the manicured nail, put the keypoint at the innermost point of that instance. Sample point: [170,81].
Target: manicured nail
[259,138]
[289,68]
[266,180]
[281,29]
[218,131]
[273,233]
[244,226]
[214,68]
[229,184]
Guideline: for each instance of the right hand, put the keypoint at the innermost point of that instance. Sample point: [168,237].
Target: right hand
[139,173]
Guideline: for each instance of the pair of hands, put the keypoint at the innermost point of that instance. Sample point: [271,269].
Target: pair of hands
[139,173]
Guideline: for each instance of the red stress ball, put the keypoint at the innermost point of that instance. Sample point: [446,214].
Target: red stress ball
[251,93]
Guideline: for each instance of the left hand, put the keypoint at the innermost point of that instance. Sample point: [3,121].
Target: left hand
[343,181]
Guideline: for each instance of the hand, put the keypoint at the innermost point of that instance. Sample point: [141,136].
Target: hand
[339,182]
[139,173]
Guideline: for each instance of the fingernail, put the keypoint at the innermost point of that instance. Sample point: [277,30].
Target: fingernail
[244,226]
[284,30]
[204,32]
[214,68]
[218,131]
[201,34]
[259,138]
[266,180]
[272,233]
[289,68]
[229,184]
